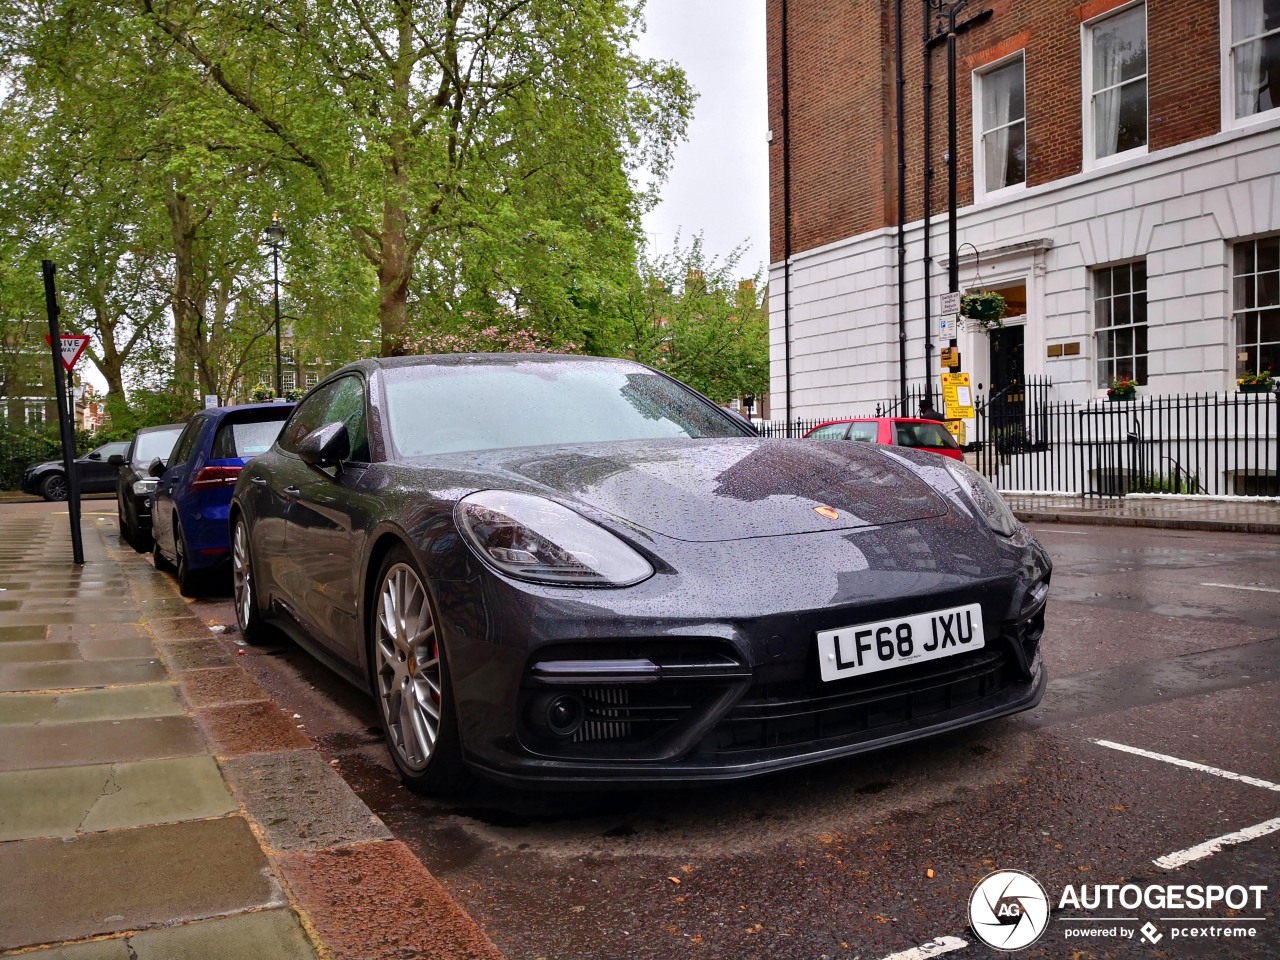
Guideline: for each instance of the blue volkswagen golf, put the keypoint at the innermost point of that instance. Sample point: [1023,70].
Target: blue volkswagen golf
[190,504]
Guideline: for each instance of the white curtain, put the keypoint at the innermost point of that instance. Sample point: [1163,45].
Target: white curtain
[997,93]
[1247,20]
[1107,64]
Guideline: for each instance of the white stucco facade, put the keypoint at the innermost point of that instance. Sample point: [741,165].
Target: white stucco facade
[1180,209]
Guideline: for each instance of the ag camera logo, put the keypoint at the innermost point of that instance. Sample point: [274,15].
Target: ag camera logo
[1009,910]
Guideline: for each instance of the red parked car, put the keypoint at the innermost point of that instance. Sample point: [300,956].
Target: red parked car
[895,431]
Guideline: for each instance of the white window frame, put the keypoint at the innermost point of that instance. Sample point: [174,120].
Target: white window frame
[1229,119]
[311,379]
[980,191]
[1090,161]
[1238,309]
[287,380]
[1111,327]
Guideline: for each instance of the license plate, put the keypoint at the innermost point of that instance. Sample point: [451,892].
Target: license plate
[870,647]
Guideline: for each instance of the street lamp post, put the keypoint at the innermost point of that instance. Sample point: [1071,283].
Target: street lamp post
[275,237]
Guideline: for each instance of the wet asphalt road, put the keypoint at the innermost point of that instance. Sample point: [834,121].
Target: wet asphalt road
[1153,641]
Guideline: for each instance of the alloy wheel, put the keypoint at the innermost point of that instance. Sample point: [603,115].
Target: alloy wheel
[242,577]
[409,672]
[55,487]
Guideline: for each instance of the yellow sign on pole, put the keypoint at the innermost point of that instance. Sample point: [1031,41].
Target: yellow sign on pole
[957,396]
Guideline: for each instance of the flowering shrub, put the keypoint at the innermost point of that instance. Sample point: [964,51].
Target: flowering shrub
[1123,387]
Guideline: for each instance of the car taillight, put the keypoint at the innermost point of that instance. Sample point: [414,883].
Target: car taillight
[212,477]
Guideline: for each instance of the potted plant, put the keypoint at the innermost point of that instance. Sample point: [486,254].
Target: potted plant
[1122,388]
[984,307]
[1262,382]
[262,393]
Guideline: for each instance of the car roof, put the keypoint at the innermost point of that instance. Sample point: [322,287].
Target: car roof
[826,423]
[161,426]
[370,364]
[220,412]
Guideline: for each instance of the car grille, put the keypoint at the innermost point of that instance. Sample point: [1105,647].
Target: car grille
[703,701]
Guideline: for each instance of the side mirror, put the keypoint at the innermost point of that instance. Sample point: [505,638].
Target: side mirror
[155,468]
[116,460]
[94,456]
[325,446]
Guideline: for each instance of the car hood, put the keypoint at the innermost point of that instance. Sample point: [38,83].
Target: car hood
[716,490]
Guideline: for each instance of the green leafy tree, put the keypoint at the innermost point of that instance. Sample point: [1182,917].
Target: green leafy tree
[477,152]
[696,319]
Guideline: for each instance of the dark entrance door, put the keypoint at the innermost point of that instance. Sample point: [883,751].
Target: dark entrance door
[1008,391]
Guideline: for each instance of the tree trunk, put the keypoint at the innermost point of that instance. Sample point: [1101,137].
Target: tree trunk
[396,267]
[182,230]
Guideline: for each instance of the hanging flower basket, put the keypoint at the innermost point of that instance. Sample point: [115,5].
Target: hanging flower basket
[985,308]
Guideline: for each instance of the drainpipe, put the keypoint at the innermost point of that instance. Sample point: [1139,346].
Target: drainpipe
[786,213]
[928,204]
[902,211]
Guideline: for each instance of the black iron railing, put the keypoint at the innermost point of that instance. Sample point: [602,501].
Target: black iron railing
[1220,444]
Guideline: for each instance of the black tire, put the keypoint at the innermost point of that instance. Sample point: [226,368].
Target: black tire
[243,587]
[54,487]
[414,693]
[121,522]
[189,581]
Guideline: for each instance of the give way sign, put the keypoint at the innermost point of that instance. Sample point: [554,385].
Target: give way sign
[72,345]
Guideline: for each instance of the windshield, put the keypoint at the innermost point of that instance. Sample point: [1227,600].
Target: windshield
[485,406]
[158,443]
[247,438]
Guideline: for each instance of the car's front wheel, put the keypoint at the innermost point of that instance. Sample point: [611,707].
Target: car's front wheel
[54,487]
[248,619]
[188,579]
[411,679]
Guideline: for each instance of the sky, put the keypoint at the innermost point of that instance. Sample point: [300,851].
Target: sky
[719,181]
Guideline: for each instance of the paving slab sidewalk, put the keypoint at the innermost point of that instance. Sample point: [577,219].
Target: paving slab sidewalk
[155,803]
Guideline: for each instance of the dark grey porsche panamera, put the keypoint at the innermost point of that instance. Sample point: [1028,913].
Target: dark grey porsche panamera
[578,570]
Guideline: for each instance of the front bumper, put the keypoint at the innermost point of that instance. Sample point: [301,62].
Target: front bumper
[667,696]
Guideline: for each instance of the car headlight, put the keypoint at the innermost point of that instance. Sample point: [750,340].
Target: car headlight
[532,538]
[984,498]
[141,487]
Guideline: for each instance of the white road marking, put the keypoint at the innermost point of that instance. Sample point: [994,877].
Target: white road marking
[1210,847]
[1207,849]
[1238,586]
[1191,765]
[934,948]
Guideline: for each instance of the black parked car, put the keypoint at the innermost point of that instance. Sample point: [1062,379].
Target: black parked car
[577,569]
[134,484]
[94,470]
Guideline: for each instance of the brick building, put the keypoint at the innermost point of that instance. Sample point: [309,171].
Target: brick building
[1118,172]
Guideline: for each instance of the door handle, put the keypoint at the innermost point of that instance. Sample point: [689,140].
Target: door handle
[292,492]
[260,481]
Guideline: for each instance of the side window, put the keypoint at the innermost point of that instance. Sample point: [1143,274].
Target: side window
[186,444]
[348,406]
[311,413]
[865,432]
[832,431]
[342,400]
